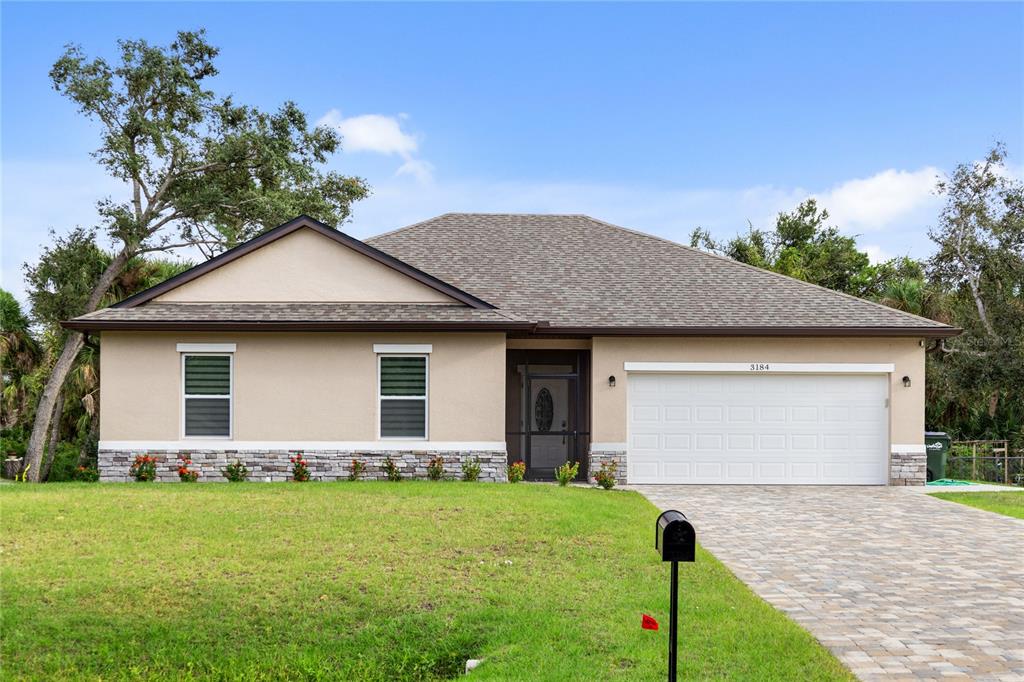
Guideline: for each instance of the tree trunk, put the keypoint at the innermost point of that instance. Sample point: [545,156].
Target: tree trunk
[47,403]
[94,428]
[63,366]
[51,452]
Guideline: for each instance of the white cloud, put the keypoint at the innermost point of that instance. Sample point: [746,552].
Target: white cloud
[380,134]
[371,133]
[876,254]
[422,170]
[876,202]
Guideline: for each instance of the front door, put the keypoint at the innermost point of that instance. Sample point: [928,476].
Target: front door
[551,413]
[547,413]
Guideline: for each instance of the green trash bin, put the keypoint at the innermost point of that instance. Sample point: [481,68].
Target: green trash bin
[936,444]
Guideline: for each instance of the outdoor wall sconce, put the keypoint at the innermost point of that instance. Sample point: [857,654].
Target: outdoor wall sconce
[611,381]
[906,382]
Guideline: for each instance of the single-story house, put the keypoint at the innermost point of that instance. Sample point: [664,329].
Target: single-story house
[541,338]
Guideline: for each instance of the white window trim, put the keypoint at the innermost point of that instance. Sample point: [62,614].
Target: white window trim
[230,397]
[403,348]
[762,367]
[425,397]
[206,348]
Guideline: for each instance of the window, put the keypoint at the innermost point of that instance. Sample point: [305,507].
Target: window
[403,396]
[207,395]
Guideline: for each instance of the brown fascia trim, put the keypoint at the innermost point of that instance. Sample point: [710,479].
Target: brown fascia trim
[296,326]
[276,233]
[520,329]
[940,332]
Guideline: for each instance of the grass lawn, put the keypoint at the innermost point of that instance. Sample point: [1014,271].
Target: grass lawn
[1007,504]
[375,581]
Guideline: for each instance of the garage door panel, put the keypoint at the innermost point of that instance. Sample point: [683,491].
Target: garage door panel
[740,441]
[772,413]
[836,413]
[677,413]
[742,414]
[803,471]
[803,441]
[771,472]
[646,413]
[646,441]
[803,413]
[771,441]
[709,413]
[835,441]
[710,441]
[678,441]
[807,429]
[677,470]
[740,471]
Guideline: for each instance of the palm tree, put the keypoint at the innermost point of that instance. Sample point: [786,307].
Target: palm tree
[20,355]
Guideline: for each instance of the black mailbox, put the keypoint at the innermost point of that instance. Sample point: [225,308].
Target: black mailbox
[675,537]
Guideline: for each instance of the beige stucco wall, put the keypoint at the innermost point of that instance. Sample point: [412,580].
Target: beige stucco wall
[317,386]
[906,412]
[304,266]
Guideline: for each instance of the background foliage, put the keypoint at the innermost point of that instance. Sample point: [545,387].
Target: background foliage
[974,281]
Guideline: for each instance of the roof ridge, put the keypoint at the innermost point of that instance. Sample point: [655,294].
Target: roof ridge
[779,275]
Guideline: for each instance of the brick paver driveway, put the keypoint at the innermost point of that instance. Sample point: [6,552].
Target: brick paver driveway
[897,584]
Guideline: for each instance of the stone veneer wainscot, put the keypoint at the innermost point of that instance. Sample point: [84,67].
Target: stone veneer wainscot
[908,468]
[599,457]
[324,465]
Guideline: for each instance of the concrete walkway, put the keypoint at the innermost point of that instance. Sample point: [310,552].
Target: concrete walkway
[898,585]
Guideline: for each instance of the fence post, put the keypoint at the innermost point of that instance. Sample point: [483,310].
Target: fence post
[1006,462]
[974,461]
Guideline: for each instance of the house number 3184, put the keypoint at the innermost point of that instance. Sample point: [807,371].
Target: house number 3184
[759,367]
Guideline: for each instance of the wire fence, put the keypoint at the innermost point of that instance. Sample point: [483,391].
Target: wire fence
[991,461]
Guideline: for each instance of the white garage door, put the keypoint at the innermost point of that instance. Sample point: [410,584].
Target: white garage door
[773,428]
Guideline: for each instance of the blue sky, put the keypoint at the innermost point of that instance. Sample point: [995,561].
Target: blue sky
[660,117]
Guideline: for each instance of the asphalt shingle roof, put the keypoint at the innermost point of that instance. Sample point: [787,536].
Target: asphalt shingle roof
[564,273]
[299,313]
[575,271]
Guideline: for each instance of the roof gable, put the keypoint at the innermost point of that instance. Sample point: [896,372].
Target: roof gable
[304,261]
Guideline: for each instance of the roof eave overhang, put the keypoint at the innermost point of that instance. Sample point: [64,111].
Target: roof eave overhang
[916,332]
[532,328]
[85,325]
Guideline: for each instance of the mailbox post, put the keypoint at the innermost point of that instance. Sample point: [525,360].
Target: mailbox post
[676,540]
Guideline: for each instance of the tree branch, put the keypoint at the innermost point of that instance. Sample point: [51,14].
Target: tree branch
[169,247]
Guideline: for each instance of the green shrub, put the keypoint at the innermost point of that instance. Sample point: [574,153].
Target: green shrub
[435,468]
[391,470]
[300,468]
[471,469]
[86,474]
[65,462]
[567,473]
[356,469]
[13,441]
[236,472]
[143,469]
[516,471]
[605,476]
[185,474]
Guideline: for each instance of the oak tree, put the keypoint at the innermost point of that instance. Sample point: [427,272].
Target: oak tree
[200,170]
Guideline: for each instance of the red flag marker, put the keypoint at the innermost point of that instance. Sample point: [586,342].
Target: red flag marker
[649,623]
